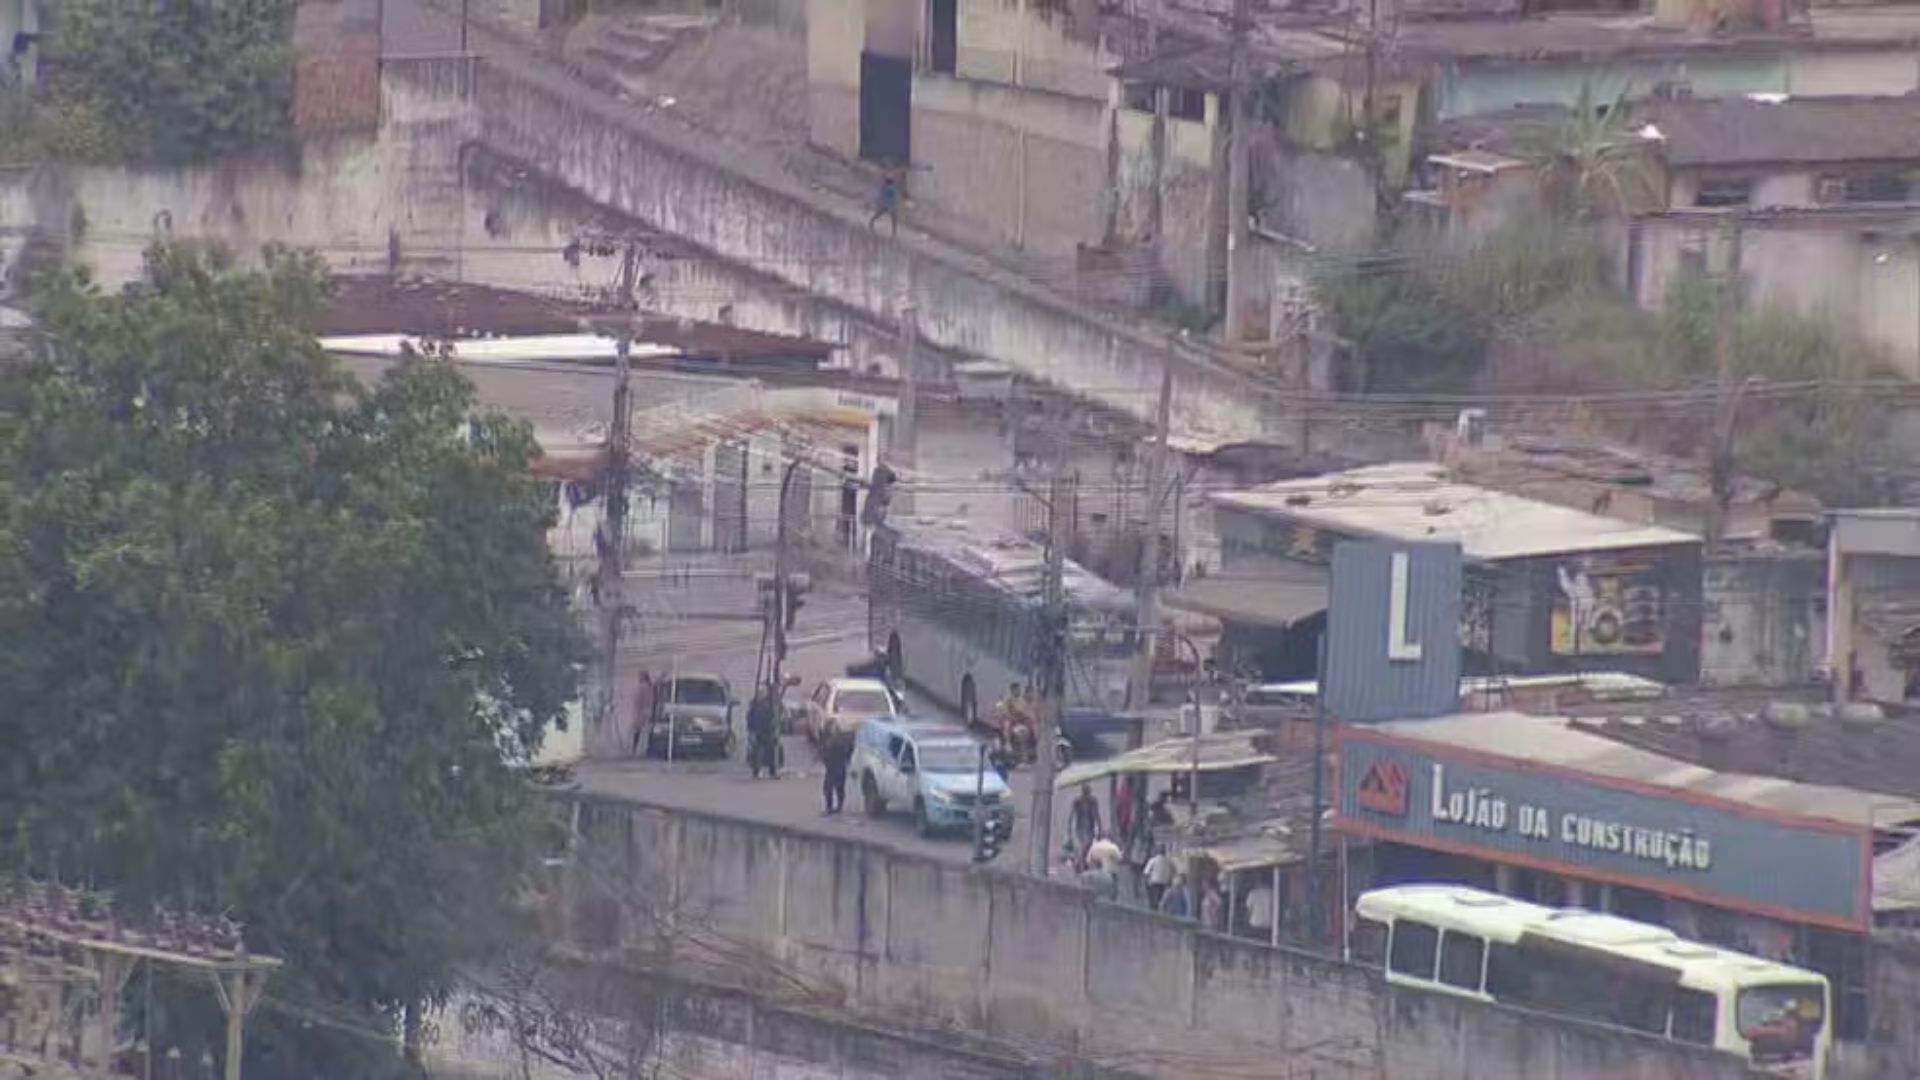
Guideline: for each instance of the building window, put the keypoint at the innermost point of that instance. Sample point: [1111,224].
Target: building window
[1187,104]
[943,40]
[1138,96]
[1724,191]
[1877,188]
[1386,115]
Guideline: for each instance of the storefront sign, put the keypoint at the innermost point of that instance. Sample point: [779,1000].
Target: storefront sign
[1563,821]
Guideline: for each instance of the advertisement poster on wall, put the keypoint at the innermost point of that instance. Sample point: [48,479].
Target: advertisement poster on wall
[1609,605]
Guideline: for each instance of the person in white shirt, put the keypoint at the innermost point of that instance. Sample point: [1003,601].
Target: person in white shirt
[1159,875]
[1260,911]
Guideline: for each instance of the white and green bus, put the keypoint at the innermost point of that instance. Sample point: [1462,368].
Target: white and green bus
[1597,967]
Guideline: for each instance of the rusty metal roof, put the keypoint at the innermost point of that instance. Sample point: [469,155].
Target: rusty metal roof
[1822,130]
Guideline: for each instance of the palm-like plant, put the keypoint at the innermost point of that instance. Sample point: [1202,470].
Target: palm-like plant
[1596,165]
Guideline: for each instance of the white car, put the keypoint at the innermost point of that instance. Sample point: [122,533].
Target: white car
[848,702]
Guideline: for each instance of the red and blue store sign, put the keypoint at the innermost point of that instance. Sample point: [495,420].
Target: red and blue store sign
[1547,817]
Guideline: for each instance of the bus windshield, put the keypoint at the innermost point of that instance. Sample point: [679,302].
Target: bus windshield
[1782,1020]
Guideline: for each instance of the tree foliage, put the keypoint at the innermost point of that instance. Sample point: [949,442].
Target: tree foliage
[1421,315]
[274,642]
[1595,164]
[171,83]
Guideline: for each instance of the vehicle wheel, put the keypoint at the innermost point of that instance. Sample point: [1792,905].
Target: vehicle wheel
[921,819]
[870,795]
[969,703]
[896,660]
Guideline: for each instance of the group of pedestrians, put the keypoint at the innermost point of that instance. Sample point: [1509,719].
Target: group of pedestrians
[1126,866]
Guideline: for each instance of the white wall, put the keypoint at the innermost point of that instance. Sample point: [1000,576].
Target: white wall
[1841,271]
[1824,74]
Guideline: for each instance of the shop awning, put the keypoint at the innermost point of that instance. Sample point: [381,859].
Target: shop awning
[1252,853]
[1254,599]
[1218,753]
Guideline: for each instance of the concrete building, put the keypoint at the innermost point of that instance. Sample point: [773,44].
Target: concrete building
[1821,192]
[1873,604]
[1763,589]
[1547,589]
[1001,110]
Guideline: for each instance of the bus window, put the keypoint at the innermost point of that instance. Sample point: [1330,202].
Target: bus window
[1368,942]
[1412,949]
[1507,976]
[1781,1022]
[1694,1013]
[1460,956]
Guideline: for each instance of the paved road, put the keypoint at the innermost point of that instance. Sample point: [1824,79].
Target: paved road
[831,633]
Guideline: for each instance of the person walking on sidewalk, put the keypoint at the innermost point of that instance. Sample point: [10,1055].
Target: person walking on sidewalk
[645,703]
[887,203]
[1083,820]
[836,750]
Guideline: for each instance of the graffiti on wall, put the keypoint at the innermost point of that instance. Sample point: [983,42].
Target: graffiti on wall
[1609,605]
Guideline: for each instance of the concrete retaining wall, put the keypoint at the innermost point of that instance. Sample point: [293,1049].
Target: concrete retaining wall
[1036,965]
[643,167]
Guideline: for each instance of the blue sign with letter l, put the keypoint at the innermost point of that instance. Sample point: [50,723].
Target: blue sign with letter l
[1393,631]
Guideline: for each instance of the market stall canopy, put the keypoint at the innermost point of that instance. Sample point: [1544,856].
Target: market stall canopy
[1252,853]
[1218,753]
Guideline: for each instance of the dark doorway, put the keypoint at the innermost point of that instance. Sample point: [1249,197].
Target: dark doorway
[944,26]
[886,101]
[849,497]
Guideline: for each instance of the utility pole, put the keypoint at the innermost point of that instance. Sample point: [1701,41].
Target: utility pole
[1238,182]
[1315,919]
[1147,581]
[1054,657]
[777,609]
[614,522]
[905,431]
[1726,311]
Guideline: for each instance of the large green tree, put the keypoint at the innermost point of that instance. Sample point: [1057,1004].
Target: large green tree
[273,642]
[173,82]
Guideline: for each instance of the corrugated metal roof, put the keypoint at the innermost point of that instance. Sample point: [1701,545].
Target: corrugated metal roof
[1249,852]
[1555,740]
[1218,752]
[1744,131]
[531,349]
[1414,501]
[1254,601]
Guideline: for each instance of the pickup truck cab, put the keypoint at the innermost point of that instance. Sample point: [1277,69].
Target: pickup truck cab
[932,770]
